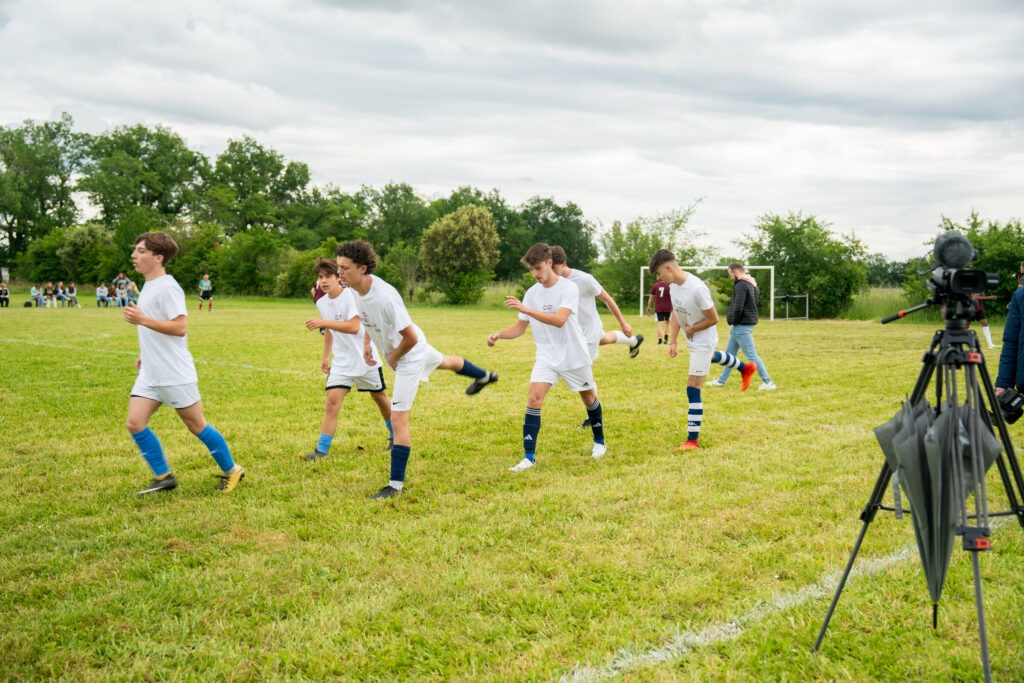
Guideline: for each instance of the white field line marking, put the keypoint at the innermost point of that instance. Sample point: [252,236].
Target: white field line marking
[683,643]
[199,361]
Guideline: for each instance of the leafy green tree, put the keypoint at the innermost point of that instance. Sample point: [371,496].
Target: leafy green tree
[252,186]
[296,280]
[87,253]
[147,176]
[514,238]
[39,262]
[808,259]
[198,253]
[249,262]
[37,165]
[881,272]
[458,253]
[628,248]
[564,226]
[395,215]
[1000,250]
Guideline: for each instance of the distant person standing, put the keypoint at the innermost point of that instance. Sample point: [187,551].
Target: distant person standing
[742,316]
[979,315]
[662,300]
[167,372]
[206,293]
[5,296]
[694,314]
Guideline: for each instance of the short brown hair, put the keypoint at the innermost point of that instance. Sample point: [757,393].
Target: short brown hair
[325,266]
[736,265]
[360,252]
[537,253]
[660,258]
[161,244]
[557,256]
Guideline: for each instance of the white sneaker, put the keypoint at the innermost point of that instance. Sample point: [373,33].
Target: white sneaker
[524,464]
[767,386]
[599,450]
[714,383]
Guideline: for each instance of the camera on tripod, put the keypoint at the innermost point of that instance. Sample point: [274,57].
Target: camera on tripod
[950,280]
[1011,405]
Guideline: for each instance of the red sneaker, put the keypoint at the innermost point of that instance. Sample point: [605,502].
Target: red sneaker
[747,373]
[689,446]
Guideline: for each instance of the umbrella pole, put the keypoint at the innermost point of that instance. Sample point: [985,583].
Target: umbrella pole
[985,663]
[867,515]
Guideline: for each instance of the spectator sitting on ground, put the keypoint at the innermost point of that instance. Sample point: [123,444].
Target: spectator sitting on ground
[133,292]
[37,295]
[101,295]
[72,295]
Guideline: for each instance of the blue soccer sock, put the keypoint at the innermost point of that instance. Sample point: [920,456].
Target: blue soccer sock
[531,430]
[152,451]
[399,459]
[728,360]
[470,370]
[214,441]
[323,444]
[596,426]
[695,415]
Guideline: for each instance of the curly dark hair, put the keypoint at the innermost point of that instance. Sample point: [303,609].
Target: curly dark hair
[360,252]
[660,258]
[536,254]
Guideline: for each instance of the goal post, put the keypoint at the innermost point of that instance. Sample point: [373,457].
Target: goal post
[771,279]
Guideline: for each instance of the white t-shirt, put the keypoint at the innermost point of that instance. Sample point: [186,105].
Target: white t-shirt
[166,360]
[346,348]
[384,315]
[560,348]
[689,301]
[590,321]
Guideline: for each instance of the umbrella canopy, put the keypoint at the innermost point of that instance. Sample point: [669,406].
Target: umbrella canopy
[920,448]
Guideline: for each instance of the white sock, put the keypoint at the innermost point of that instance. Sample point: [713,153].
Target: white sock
[621,338]
[988,335]
[396,484]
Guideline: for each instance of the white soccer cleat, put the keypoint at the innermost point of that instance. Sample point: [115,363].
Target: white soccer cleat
[599,450]
[714,383]
[524,464]
[767,386]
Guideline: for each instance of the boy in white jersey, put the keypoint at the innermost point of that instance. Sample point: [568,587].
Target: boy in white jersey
[693,311]
[345,338]
[403,346]
[590,322]
[167,373]
[550,308]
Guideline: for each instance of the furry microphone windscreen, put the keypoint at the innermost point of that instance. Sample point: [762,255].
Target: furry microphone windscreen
[953,250]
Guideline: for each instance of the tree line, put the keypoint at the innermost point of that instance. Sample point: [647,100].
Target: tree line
[254,221]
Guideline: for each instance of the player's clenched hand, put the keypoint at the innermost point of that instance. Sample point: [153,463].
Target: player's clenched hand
[492,338]
[513,302]
[314,324]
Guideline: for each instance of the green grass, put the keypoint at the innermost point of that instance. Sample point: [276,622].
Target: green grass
[599,569]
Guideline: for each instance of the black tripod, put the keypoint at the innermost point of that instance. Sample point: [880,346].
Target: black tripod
[955,352]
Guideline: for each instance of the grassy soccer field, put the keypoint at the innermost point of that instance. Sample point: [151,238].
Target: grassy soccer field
[646,565]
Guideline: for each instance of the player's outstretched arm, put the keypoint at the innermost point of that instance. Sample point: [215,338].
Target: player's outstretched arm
[511,332]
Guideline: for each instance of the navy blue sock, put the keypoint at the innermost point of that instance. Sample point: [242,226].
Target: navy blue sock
[594,415]
[470,370]
[399,459]
[531,429]
[152,451]
[695,415]
[213,440]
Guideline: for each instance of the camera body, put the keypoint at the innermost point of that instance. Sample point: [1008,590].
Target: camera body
[951,283]
[1011,405]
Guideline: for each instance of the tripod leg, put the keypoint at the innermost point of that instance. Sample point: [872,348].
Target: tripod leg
[867,515]
[985,663]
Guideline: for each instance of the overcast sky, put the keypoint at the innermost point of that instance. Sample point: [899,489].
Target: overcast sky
[878,117]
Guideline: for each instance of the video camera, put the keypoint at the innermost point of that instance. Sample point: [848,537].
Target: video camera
[1011,405]
[949,277]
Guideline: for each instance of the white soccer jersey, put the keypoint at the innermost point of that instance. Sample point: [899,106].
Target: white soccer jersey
[561,348]
[590,321]
[346,348]
[384,315]
[689,301]
[166,360]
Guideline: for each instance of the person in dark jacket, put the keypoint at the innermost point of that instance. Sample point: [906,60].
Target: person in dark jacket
[1011,359]
[742,316]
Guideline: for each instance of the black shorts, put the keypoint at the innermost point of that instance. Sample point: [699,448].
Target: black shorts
[663,316]
[205,294]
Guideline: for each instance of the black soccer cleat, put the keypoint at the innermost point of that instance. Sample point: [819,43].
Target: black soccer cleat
[634,350]
[315,455]
[478,384]
[162,484]
[388,491]
[586,424]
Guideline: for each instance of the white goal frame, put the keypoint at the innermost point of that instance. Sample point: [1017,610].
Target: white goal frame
[771,270]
